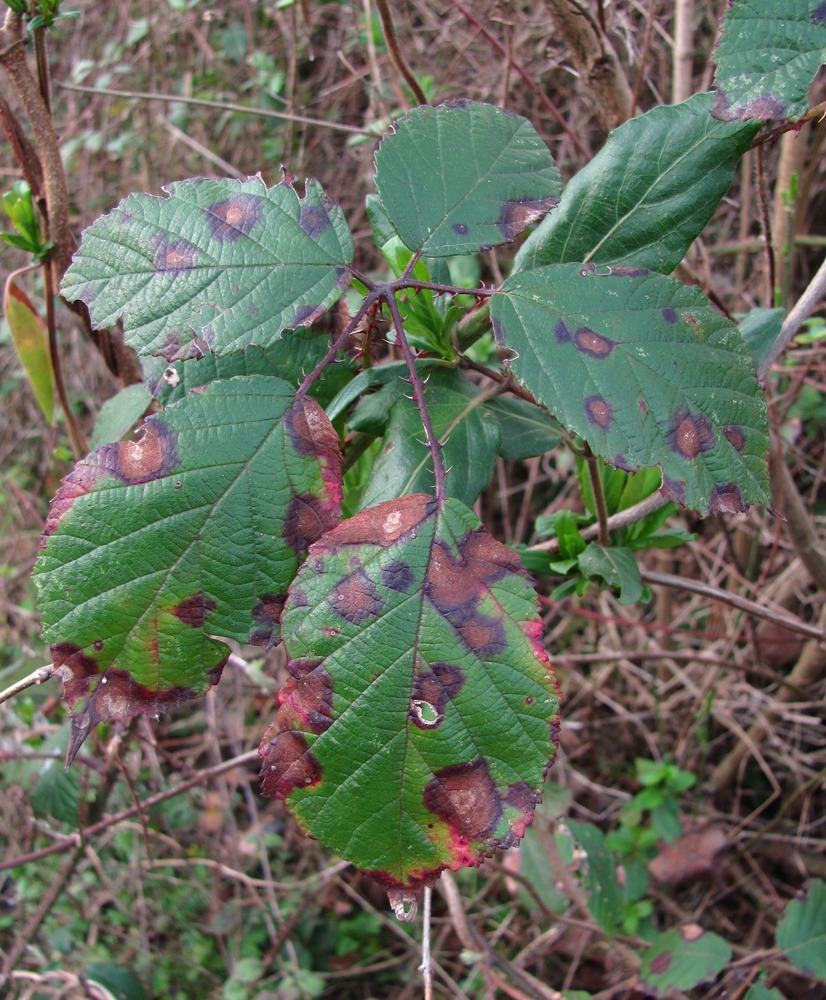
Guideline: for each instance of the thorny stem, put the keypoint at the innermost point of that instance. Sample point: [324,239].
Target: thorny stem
[418,392]
[338,344]
[480,293]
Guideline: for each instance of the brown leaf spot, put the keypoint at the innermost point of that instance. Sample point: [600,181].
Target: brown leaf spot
[313,219]
[673,489]
[306,700]
[355,598]
[562,333]
[464,796]
[483,635]
[669,314]
[515,215]
[266,613]
[643,406]
[152,457]
[735,436]
[383,524]
[397,576]
[173,255]
[661,963]
[193,610]
[434,687]
[521,797]
[452,581]
[593,344]
[690,435]
[726,498]
[627,272]
[305,521]
[234,217]
[599,412]
[117,697]
[460,228]
[286,763]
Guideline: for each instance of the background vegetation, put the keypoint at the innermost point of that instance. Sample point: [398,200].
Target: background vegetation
[686,719]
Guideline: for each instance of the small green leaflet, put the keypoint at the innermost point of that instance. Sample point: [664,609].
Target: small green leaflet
[196,530]
[464,177]
[802,932]
[216,265]
[647,371]
[682,959]
[767,56]
[624,208]
[422,710]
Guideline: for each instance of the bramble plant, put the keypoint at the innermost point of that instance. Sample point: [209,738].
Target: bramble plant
[331,511]
[421,712]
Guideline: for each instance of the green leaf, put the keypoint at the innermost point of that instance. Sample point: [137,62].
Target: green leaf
[463,177]
[527,430]
[648,372]
[422,709]
[31,341]
[216,265]
[636,210]
[461,425]
[56,792]
[290,358]
[767,55]
[682,959]
[802,933]
[759,991]
[759,328]
[119,980]
[119,414]
[617,567]
[154,547]
[606,899]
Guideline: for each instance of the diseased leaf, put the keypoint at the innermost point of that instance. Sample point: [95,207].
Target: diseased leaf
[648,372]
[421,712]
[682,959]
[802,932]
[31,342]
[196,530]
[216,265]
[290,358]
[460,423]
[647,194]
[463,177]
[767,56]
